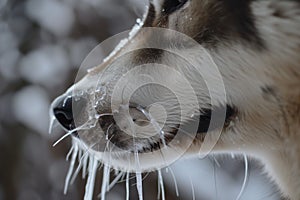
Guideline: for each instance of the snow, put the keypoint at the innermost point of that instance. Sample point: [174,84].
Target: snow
[55,16]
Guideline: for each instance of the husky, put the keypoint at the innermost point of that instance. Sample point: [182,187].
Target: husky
[232,87]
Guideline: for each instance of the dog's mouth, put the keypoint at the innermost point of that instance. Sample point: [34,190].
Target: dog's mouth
[139,132]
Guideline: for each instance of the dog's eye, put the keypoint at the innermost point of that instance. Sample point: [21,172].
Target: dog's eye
[172,5]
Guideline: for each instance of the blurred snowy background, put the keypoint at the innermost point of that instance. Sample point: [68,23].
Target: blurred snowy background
[42,44]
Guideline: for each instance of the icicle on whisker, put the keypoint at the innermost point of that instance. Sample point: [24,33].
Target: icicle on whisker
[89,188]
[115,181]
[71,167]
[80,166]
[105,177]
[70,153]
[158,189]
[161,183]
[127,186]
[84,166]
[52,120]
[138,176]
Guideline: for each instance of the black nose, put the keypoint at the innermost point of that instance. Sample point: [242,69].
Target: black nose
[66,109]
[63,111]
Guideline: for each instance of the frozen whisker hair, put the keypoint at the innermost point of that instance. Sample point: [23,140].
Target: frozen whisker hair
[127,186]
[89,164]
[89,188]
[113,183]
[74,151]
[105,180]
[138,175]
[83,163]
[84,166]
[161,185]
[52,122]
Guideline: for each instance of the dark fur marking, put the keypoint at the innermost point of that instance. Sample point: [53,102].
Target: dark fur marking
[150,17]
[148,55]
[171,6]
[268,90]
[205,118]
[229,20]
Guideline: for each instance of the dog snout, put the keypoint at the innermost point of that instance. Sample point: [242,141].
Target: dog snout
[65,110]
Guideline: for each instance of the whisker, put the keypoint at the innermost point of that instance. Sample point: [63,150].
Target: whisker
[193,189]
[175,182]
[69,153]
[245,178]
[216,162]
[106,135]
[154,123]
[63,137]
[97,116]
[82,127]
[144,177]
[215,177]
[158,189]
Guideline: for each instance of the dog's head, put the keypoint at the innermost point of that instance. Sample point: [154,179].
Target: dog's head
[197,74]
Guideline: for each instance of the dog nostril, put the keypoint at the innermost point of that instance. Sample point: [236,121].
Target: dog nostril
[67,108]
[64,113]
